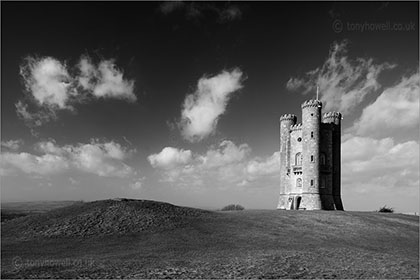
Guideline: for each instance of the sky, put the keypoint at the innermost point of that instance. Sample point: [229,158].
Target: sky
[180,101]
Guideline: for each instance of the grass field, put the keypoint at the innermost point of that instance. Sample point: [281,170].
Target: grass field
[192,243]
[11,210]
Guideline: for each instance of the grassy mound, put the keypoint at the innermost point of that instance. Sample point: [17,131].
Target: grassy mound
[147,239]
[106,217]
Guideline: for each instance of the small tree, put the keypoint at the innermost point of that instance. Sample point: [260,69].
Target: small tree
[233,207]
[386,209]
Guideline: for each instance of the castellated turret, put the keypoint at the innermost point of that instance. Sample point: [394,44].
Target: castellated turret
[286,121]
[310,160]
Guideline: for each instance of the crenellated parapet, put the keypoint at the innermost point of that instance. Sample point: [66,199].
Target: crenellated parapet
[288,117]
[311,103]
[296,127]
[332,117]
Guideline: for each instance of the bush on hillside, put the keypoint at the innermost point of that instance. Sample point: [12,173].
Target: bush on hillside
[386,209]
[233,207]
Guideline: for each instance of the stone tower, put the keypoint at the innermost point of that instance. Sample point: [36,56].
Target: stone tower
[310,160]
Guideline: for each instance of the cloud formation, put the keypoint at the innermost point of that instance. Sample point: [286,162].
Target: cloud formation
[12,145]
[371,164]
[170,157]
[202,109]
[33,119]
[396,110]
[343,83]
[138,184]
[220,166]
[103,159]
[48,80]
[51,86]
[195,10]
[105,80]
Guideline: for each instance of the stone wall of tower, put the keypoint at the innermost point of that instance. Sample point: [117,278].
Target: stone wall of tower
[311,122]
[326,166]
[295,167]
[286,121]
[334,120]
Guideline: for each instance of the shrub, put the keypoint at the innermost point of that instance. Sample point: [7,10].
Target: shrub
[386,209]
[233,207]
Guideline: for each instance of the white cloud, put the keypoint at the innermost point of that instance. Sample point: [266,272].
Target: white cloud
[202,109]
[223,166]
[231,13]
[43,165]
[373,163]
[227,153]
[88,72]
[170,157]
[264,167]
[196,10]
[105,80]
[343,83]
[357,148]
[168,7]
[102,159]
[41,115]
[138,184]
[48,81]
[396,110]
[370,164]
[51,87]
[12,145]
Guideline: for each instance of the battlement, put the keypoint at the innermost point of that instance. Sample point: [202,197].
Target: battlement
[297,126]
[311,103]
[333,115]
[288,117]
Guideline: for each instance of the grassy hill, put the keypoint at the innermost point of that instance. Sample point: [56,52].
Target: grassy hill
[147,239]
[11,210]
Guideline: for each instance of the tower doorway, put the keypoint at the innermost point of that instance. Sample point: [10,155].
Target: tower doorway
[294,202]
[298,200]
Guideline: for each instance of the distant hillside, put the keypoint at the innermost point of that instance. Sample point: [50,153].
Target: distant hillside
[149,239]
[104,217]
[36,206]
[12,210]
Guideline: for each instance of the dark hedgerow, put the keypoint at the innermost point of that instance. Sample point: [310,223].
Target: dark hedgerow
[233,207]
[386,209]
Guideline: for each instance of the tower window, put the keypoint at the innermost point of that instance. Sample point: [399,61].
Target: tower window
[298,159]
[312,183]
[299,182]
[323,159]
[312,114]
[312,134]
[323,183]
[312,158]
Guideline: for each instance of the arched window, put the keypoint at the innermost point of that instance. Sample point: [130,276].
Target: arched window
[323,159]
[299,182]
[298,159]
